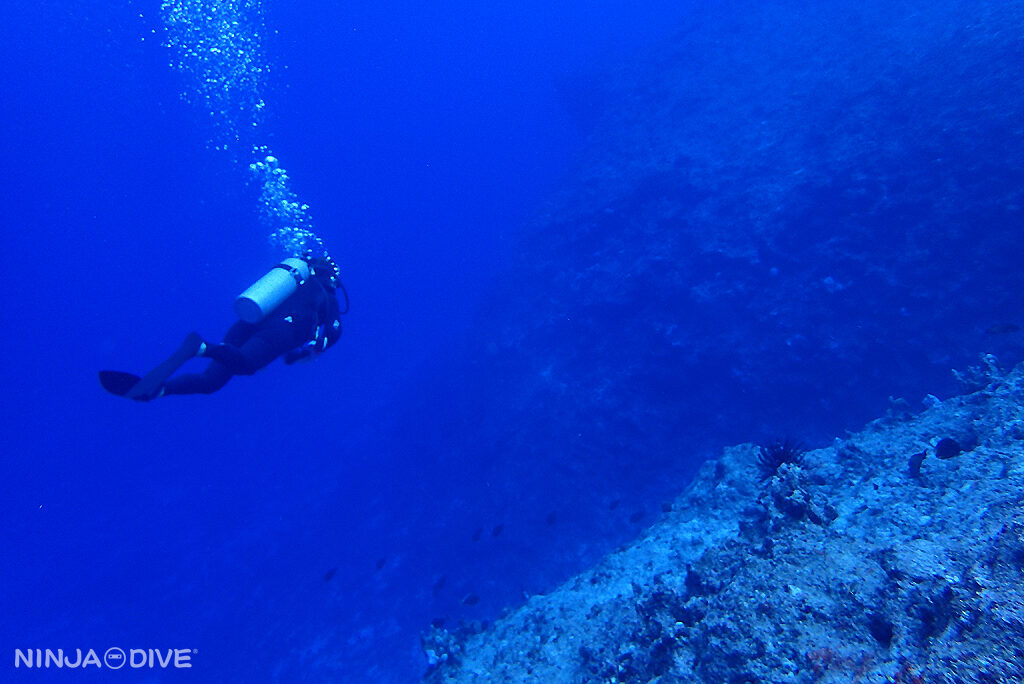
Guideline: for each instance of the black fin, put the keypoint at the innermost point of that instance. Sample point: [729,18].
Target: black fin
[149,386]
[117,382]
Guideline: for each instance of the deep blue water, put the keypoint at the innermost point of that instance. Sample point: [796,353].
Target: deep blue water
[423,136]
[505,405]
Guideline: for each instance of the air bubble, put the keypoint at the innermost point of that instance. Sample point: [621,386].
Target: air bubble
[218,50]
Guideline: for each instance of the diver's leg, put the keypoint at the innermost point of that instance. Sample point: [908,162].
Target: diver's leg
[149,386]
[262,347]
[238,333]
[230,357]
[216,374]
[209,381]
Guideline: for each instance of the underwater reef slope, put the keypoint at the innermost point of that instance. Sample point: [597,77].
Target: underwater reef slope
[894,555]
[784,192]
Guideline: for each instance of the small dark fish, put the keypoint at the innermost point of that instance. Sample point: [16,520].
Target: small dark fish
[915,463]
[666,507]
[439,584]
[438,623]
[1002,329]
[498,529]
[636,517]
[329,575]
[381,562]
[552,518]
[948,448]
[476,534]
[614,504]
[470,600]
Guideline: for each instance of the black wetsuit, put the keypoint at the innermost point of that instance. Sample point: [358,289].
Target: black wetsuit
[306,323]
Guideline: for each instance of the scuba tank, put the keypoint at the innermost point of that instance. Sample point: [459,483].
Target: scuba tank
[267,293]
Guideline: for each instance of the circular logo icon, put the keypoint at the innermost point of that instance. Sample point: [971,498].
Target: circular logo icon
[114,658]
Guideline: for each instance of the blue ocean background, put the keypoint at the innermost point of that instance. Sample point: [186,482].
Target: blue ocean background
[308,523]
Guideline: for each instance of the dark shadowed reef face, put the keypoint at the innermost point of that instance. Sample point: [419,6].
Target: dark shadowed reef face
[786,216]
[791,214]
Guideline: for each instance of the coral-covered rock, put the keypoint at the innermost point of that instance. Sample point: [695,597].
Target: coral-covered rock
[866,574]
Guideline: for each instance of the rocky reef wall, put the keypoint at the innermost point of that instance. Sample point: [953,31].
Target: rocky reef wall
[783,216]
[894,555]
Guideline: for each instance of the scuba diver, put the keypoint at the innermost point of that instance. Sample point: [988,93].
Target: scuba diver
[292,312]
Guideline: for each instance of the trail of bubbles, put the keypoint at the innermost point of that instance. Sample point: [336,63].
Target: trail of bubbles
[280,208]
[217,46]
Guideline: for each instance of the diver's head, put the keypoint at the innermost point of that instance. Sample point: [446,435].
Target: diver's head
[325,270]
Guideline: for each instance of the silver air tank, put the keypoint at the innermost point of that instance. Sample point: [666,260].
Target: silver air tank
[267,293]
